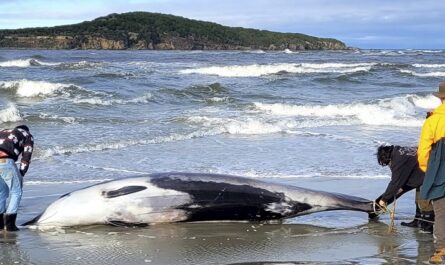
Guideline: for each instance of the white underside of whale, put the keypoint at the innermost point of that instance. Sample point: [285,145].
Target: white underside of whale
[89,206]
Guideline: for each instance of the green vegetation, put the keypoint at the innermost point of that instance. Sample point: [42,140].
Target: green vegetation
[153,29]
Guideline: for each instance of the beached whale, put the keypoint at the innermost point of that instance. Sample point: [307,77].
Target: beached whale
[188,197]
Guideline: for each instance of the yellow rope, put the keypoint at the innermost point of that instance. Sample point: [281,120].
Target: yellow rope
[392,214]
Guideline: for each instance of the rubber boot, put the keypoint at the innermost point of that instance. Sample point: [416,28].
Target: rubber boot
[427,222]
[10,222]
[2,222]
[416,221]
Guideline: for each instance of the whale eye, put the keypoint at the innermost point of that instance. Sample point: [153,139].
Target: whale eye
[122,191]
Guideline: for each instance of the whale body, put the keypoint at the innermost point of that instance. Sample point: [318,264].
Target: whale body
[188,197]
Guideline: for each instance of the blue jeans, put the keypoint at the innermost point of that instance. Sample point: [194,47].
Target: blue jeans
[10,186]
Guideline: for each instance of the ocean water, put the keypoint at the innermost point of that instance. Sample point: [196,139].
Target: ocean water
[103,114]
[312,119]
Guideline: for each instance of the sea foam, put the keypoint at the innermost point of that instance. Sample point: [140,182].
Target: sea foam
[242,125]
[28,88]
[25,63]
[67,150]
[10,114]
[256,70]
[430,74]
[108,102]
[419,65]
[398,111]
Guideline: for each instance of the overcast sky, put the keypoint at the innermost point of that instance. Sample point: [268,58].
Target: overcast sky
[364,24]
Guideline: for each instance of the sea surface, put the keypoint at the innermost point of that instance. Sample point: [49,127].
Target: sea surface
[312,118]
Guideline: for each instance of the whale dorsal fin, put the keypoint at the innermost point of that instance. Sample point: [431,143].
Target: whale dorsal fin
[122,191]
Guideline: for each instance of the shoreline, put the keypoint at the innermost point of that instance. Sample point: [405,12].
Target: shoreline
[320,238]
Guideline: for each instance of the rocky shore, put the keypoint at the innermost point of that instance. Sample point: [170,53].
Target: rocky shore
[151,31]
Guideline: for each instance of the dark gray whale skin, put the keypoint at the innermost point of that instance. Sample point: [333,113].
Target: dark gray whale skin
[190,197]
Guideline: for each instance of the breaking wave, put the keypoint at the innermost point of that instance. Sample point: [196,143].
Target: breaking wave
[30,62]
[398,111]
[256,70]
[28,88]
[254,52]
[246,126]
[10,114]
[430,74]
[78,95]
[25,63]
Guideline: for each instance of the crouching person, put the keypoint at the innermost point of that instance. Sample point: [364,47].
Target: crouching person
[13,143]
[405,176]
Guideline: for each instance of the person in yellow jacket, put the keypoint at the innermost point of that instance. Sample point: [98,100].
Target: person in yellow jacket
[433,131]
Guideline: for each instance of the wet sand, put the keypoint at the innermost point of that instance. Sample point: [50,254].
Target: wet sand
[336,237]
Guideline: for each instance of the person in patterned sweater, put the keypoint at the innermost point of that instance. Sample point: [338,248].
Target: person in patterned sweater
[13,143]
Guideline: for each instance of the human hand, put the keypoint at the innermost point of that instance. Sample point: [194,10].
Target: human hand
[382,203]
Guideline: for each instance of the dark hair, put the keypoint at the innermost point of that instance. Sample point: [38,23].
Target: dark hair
[24,127]
[384,154]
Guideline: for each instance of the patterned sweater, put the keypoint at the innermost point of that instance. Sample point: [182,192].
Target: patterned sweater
[15,142]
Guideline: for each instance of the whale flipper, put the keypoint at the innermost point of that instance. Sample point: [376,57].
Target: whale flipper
[125,224]
[122,191]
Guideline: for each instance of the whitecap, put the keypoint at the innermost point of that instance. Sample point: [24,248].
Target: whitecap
[28,88]
[242,126]
[430,74]
[288,51]
[25,63]
[398,111]
[256,70]
[10,114]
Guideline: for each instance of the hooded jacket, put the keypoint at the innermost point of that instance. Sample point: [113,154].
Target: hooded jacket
[434,184]
[432,131]
[405,172]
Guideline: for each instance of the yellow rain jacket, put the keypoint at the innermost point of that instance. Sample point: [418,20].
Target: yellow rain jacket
[432,131]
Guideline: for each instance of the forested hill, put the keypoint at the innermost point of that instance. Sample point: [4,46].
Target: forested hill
[153,31]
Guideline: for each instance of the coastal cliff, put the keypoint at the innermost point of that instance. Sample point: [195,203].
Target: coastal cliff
[153,31]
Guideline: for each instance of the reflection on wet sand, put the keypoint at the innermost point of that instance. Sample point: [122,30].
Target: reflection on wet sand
[217,243]
[10,250]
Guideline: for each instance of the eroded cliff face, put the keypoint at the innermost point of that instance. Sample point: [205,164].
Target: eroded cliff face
[155,31]
[62,42]
[133,41]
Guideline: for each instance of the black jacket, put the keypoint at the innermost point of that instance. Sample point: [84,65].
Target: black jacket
[405,172]
[15,142]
